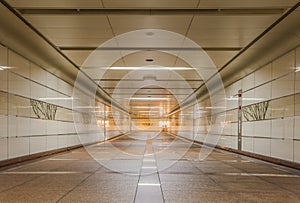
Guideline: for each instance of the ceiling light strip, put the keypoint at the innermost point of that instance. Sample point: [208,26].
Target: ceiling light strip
[74,48]
[149,11]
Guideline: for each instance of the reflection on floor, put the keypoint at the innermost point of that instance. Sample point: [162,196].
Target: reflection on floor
[143,167]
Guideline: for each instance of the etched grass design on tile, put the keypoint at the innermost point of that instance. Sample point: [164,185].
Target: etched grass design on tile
[43,110]
[256,111]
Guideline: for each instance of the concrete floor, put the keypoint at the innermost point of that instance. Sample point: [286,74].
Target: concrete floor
[130,171]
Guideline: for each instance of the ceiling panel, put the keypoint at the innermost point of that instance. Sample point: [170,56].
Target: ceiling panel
[78,57]
[159,59]
[122,24]
[78,42]
[233,22]
[246,3]
[242,42]
[150,3]
[55,3]
[68,33]
[186,74]
[69,21]
[223,34]
[219,58]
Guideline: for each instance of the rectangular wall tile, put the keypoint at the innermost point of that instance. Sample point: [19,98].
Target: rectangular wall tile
[283,128]
[52,142]
[23,126]
[3,149]
[37,91]
[263,75]
[18,147]
[19,64]
[63,141]
[38,127]
[297,128]
[37,144]
[18,85]
[282,149]
[283,65]
[262,146]
[12,126]
[3,103]
[297,81]
[248,82]
[263,93]
[262,128]
[248,129]
[297,105]
[247,144]
[297,151]
[37,74]
[3,126]
[3,80]
[283,86]
[282,107]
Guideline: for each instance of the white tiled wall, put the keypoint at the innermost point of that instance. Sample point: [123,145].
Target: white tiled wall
[278,135]
[21,132]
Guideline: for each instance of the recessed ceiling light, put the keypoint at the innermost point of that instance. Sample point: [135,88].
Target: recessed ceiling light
[149,60]
[150,33]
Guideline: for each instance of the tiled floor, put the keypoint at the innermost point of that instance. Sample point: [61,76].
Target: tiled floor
[136,168]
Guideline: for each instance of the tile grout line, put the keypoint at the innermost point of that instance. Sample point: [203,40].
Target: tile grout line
[148,150]
[68,192]
[136,190]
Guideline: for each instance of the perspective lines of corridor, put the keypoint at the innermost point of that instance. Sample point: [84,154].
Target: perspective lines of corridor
[142,173]
[150,101]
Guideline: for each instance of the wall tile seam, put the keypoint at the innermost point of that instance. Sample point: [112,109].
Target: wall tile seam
[271,119]
[26,97]
[43,85]
[39,66]
[35,118]
[266,64]
[30,62]
[270,138]
[48,135]
[268,82]
[269,100]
